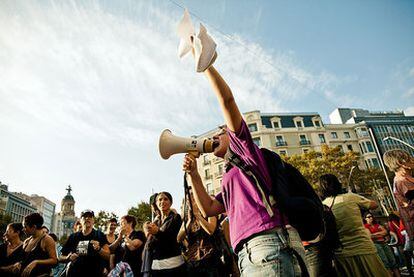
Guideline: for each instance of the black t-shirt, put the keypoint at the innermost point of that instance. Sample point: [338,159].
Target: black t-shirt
[16,256]
[89,262]
[133,258]
[164,244]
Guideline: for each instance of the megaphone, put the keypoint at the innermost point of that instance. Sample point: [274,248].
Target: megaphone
[170,144]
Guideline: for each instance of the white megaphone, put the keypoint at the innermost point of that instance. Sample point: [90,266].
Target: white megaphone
[170,144]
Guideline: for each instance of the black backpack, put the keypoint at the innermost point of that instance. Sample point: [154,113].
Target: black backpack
[330,241]
[293,194]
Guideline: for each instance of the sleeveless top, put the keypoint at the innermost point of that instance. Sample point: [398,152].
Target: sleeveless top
[37,253]
[201,245]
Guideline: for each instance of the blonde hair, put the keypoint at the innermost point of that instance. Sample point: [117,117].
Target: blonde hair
[394,158]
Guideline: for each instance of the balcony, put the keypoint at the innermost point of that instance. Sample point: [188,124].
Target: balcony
[281,143]
[304,142]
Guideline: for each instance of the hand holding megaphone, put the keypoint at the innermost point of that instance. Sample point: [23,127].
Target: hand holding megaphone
[170,144]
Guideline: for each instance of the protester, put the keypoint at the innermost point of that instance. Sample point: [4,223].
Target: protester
[130,244]
[401,163]
[166,253]
[111,226]
[255,227]
[39,255]
[86,250]
[147,255]
[378,236]
[358,255]
[196,232]
[59,268]
[77,226]
[11,251]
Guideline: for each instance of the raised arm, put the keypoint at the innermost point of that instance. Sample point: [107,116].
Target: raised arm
[231,113]
[207,205]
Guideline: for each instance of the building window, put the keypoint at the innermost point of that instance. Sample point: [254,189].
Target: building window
[209,188]
[303,140]
[347,135]
[256,141]
[207,173]
[305,150]
[220,169]
[349,146]
[322,138]
[341,148]
[280,141]
[276,125]
[317,123]
[375,163]
[283,152]
[252,127]
[206,160]
[369,146]
[334,135]
[360,147]
[299,124]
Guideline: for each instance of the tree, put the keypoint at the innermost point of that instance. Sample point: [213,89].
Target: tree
[102,218]
[5,219]
[334,161]
[142,213]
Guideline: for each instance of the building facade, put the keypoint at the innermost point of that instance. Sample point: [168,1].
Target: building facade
[13,205]
[380,126]
[290,134]
[65,219]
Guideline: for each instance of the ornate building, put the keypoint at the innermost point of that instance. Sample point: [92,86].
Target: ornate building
[65,220]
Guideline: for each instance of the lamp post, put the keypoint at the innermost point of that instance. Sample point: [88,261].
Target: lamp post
[351,186]
[383,167]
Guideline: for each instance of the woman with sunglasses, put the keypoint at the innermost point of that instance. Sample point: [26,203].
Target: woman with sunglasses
[378,236]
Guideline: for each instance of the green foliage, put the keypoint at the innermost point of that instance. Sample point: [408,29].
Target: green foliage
[142,213]
[334,161]
[101,219]
[5,219]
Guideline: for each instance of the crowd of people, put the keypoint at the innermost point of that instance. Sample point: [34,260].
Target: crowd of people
[244,230]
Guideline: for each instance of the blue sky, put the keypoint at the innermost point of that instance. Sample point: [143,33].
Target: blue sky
[88,86]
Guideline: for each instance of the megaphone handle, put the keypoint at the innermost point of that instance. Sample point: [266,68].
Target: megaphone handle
[194,153]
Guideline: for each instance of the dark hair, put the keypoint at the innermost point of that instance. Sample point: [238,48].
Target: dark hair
[34,219]
[130,219]
[113,220]
[17,227]
[166,194]
[47,229]
[329,185]
[153,203]
[393,217]
[373,218]
[54,237]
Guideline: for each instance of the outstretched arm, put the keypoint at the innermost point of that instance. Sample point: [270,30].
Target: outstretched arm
[231,113]
[207,205]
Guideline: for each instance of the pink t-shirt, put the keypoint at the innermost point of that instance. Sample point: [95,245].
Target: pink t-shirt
[239,194]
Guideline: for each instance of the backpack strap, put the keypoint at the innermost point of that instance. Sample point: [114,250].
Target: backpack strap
[236,161]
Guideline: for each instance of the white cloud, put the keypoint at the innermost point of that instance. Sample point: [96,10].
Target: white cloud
[409,111]
[83,72]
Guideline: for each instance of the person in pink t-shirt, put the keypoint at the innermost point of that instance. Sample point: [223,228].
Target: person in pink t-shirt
[255,227]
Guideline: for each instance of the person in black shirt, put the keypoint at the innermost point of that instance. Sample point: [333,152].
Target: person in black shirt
[86,250]
[39,255]
[166,252]
[130,244]
[11,251]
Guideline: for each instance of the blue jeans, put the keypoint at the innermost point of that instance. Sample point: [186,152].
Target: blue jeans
[268,255]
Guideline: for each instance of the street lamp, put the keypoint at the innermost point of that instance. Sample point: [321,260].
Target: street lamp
[396,139]
[351,187]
